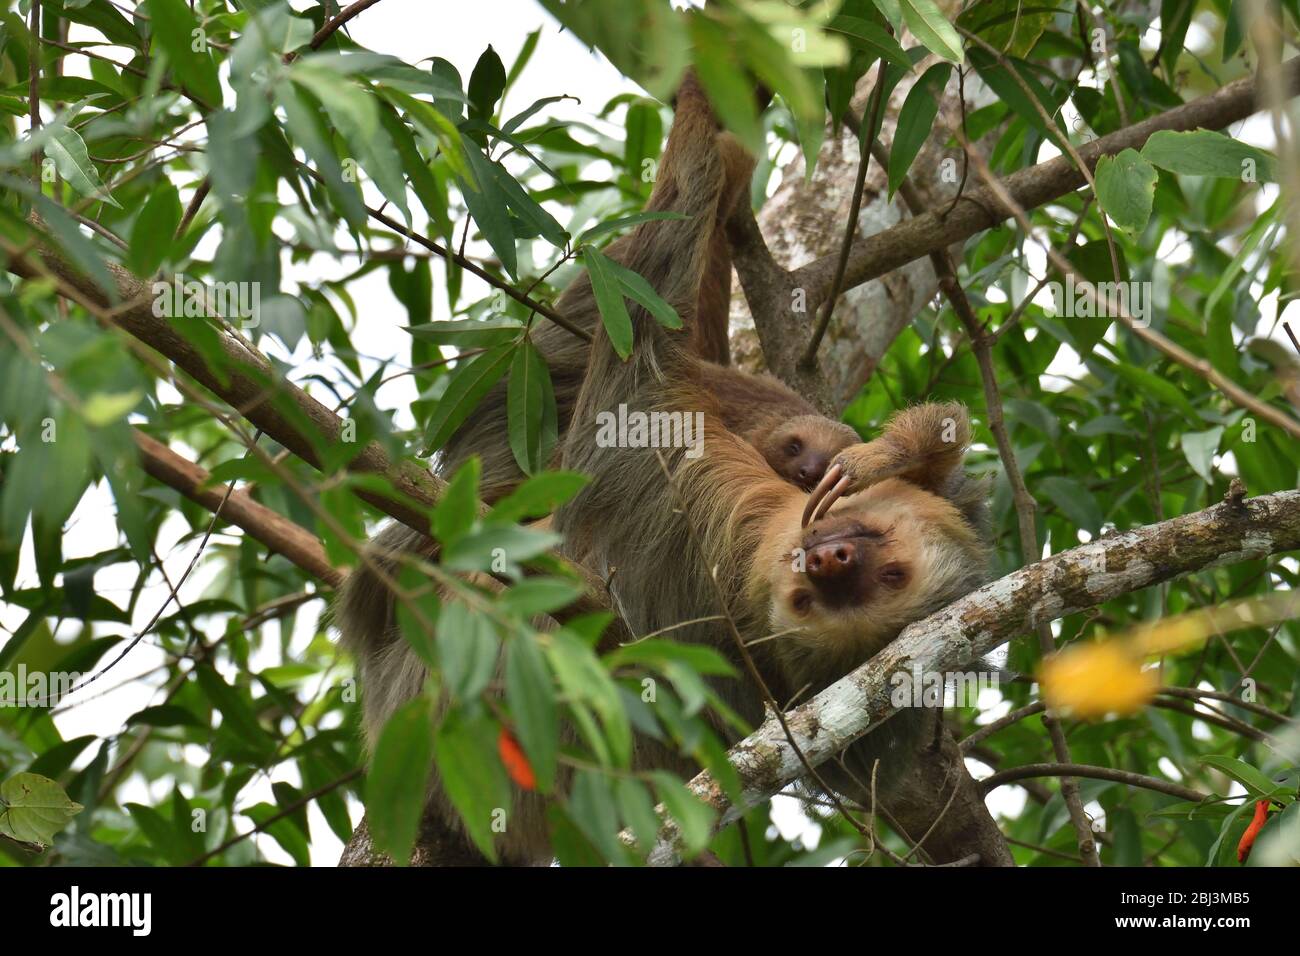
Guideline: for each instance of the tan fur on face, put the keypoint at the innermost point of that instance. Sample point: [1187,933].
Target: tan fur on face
[920,531]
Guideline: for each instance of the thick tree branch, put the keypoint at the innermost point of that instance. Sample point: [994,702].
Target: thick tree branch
[271,528]
[1083,577]
[980,209]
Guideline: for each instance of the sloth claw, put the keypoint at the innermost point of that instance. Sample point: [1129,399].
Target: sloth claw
[828,491]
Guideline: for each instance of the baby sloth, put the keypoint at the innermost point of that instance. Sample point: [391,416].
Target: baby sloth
[800,448]
[796,441]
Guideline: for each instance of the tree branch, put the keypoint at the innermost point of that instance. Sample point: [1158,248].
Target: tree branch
[333,25]
[269,527]
[251,385]
[1066,583]
[1068,770]
[980,209]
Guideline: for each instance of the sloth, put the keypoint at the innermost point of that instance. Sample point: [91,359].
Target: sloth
[892,531]
[795,440]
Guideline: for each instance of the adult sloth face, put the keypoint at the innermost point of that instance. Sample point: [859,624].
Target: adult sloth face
[845,585]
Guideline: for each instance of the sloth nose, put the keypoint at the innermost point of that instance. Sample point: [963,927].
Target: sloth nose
[811,469]
[834,568]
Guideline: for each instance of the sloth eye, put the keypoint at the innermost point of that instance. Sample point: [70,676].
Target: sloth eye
[893,575]
[793,448]
[801,601]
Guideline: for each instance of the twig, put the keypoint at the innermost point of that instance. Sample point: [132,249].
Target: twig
[866,137]
[988,730]
[332,26]
[284,812]
[34,80]
[192,210]
[1093,773]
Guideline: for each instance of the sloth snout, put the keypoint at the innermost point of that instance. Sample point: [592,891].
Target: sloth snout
[839,569]
[809,469]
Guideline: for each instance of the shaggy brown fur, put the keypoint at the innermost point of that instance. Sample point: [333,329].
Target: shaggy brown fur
[796,441]
[835,591]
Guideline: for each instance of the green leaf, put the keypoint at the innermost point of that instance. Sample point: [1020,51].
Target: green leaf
[418,614]
[1199,448]
[530,213]
[497,547]
[458,509]
[397,784]
[472,775]
[658,652]
[636,288]
[165,715]
[613,225]
[68,150]
[1253,780]
[308,130]
[530,694]
[34,808]
[486,84]
[237,712]
[533,596]
[1202,152]
[489,208]
[538,496]
[870,38]
[1154,386]
[584,678]
[592,807]
[723,79]
[178,33]
[468,648]
[1011,26]
[469,333]
[444,132]
[469,383]
[530,407]
[103,409]
[283,830]
[355,113]
[1000,79]
[915,122]
[1126,186]
[162,833]
[637,808]
[932,28]
[893,14]
[151,236]
[609,299]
